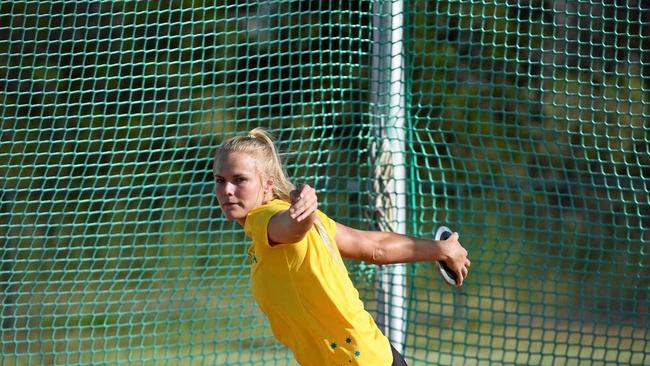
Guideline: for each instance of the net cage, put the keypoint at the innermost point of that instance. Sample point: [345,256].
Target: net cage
[521,124]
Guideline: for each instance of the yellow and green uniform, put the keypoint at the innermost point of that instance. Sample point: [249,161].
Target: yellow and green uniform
[305,291]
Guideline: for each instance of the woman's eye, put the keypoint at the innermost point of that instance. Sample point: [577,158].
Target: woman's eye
[219,180]
[240,179]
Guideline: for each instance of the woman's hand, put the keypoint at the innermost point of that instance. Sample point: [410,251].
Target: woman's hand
[455,257]
[304,202]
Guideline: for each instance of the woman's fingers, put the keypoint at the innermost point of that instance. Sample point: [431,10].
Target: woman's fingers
[303,202]
[464,272]
[460,260]
[298,208]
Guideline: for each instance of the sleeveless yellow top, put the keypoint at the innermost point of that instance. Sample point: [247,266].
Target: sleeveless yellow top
[305,291]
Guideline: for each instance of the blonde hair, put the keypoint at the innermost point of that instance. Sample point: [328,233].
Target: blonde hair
[260,144]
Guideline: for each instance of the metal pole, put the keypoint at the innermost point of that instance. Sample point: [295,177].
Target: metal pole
[388,107]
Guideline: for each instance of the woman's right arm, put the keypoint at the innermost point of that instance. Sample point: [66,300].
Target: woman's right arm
[381,247]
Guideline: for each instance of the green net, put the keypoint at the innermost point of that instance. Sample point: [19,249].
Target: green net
[523,125]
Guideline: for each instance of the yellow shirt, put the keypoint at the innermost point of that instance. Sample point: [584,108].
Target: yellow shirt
[305,291]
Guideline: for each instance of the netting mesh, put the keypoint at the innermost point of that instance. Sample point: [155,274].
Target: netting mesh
[526,130]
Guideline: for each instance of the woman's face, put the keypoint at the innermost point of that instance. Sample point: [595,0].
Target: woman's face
[238,185]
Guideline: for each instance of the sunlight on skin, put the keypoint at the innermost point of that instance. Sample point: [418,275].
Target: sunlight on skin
[238,185]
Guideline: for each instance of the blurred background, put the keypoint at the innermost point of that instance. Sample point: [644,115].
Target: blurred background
[524,127]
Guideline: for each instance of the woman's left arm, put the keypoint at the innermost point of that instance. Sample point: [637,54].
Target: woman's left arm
[292,225]
[381,247]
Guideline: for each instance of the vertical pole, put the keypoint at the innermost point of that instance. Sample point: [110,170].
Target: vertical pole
[388,110]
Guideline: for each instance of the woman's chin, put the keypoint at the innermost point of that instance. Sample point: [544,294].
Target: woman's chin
[232,216]
[234,212]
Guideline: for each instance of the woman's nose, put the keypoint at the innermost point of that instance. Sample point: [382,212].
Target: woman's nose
[229,189]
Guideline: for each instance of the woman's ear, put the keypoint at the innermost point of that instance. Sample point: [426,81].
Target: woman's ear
[268,184]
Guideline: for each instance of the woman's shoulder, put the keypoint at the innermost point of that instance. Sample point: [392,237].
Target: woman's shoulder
[274,203]
[259,216]
[271,207]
